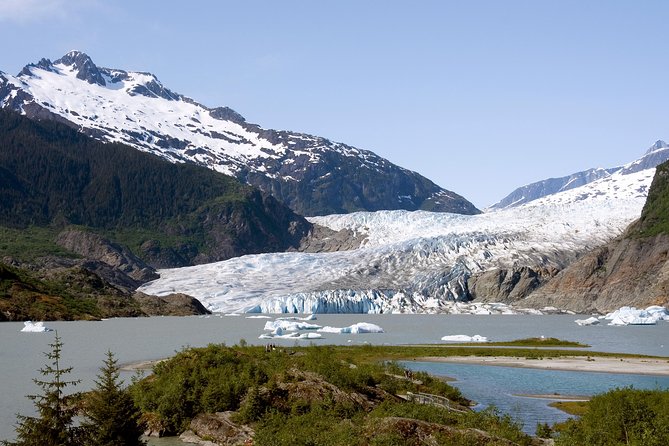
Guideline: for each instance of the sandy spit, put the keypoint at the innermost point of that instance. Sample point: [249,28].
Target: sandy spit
[641,366]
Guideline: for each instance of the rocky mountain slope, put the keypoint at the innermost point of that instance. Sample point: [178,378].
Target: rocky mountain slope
[631,270]
[421,261]
[312,175]
[656,154]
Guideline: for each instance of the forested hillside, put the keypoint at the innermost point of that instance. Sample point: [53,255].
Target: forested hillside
[169,215]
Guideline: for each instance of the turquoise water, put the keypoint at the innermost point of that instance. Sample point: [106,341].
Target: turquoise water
[503,387]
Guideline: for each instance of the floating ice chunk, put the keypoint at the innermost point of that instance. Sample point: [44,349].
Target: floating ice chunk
[289,325]
[360,327]
[258,317]
[588,321]
[232,314]
[35,327]
[634,316]
[464,338]
[293,335]
[311,317]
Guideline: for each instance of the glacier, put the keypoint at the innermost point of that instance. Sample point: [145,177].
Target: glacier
[415,262]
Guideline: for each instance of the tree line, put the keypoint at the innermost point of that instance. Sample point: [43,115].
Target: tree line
[110,417]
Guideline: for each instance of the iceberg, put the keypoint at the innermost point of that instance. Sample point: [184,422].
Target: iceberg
[287,325]
[360,327]
[588,321]
[294,335]
[633,316]
[464,338]
[35,327]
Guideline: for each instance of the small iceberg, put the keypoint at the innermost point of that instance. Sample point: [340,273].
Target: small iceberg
[35,327]
[588,321]
[311,317]
[464,338]
[360,327]
[289,325]
[258,317]
[293,335]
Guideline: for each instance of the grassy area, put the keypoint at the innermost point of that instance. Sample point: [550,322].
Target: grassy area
[577,408]
[537,342]
[30,243]
[379,353]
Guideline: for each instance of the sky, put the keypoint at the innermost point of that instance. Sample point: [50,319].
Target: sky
[479,96]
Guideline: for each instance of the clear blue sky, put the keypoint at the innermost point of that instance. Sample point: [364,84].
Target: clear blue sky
[479,96]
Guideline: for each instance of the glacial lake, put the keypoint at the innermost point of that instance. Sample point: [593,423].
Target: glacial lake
[132,340]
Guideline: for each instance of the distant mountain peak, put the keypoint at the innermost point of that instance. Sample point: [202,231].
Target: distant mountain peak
[311,174]
[655,155]
[83,65]
[659,145]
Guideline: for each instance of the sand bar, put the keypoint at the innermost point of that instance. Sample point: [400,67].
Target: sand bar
[607,364]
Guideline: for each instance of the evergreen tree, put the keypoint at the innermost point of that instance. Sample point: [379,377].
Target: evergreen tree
[53,425]
[112,419]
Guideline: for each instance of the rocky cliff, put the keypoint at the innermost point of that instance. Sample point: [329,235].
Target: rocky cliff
[631,270]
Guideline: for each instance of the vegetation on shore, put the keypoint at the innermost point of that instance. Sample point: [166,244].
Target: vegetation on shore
[537,342]
[316,395]
[313,395]
[620,417]
[109,415]
[68,294]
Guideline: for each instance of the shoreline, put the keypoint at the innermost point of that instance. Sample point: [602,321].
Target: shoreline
[600,364]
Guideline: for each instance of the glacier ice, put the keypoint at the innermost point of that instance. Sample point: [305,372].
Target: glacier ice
[415,262]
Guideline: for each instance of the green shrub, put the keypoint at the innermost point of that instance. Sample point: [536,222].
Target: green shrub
[621,416]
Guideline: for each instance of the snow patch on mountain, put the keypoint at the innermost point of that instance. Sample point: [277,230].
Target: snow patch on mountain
[656,154]
[414,262]
[136,109]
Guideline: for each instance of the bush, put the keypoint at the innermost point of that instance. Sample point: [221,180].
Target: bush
[621,416]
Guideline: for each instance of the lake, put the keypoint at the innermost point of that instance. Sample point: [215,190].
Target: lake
[131,340]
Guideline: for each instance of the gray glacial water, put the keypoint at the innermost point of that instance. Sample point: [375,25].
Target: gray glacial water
[131,340]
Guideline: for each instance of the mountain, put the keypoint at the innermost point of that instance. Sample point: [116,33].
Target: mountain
[631,270]
[53,178]
[422,262]
[312,175]
[656,154]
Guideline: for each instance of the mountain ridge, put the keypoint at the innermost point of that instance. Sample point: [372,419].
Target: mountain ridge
[311,174]
[656,154]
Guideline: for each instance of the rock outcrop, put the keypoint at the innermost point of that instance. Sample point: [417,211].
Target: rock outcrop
[627,271]
[95,247]
[508,285]
[217,429]
[170,305]
[632,270]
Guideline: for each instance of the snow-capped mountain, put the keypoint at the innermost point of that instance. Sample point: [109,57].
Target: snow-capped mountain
[312,175]
[416,261]
[656,154]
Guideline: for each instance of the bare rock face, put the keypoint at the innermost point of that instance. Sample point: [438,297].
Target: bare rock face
[218,429]
[323,239]
[93,246]
[170,305]
[508,285]
[627,271]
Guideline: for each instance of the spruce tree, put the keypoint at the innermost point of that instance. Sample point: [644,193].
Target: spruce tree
[112,419]
[55,411]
